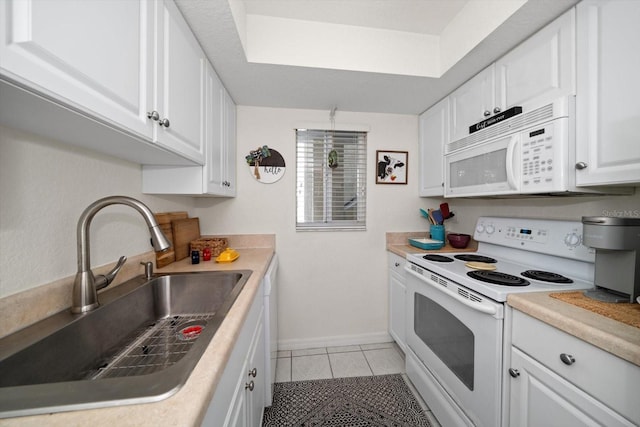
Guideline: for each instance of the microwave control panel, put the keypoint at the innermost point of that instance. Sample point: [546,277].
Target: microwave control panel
[538,158]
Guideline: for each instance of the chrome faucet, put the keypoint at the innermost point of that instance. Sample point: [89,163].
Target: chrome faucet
[86,285]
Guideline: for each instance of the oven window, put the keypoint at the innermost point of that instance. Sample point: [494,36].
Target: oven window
[487,168]
[446,336]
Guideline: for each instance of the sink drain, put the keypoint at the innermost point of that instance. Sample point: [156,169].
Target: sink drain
[190,331]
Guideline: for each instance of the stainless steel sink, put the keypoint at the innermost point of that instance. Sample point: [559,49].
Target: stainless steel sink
[140,345]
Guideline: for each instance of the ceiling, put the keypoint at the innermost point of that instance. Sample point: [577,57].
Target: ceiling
[385,56]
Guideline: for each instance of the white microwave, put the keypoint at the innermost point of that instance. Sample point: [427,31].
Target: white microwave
[532,153]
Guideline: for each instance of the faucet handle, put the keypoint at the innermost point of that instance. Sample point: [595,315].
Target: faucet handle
[148,269]
[102,281]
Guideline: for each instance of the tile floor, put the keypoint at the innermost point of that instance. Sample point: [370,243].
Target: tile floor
[344,361]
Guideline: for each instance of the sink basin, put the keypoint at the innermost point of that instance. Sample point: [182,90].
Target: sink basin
[139,345]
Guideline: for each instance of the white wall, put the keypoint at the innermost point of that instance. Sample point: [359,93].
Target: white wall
[333,284]
[44,187]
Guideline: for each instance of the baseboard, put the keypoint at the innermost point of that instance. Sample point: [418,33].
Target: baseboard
[335,341]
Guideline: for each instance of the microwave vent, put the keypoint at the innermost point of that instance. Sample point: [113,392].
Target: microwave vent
[506,127]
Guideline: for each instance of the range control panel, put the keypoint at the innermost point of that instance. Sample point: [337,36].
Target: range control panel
[552,237]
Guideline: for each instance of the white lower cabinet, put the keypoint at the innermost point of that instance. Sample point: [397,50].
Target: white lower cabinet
[559,380]
[397,291]
[239,398]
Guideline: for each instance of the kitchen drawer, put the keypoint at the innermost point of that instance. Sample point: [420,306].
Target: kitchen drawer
[396,264]
[611,380]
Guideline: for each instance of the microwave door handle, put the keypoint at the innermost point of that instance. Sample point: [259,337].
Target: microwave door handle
[484,309]
[511,150]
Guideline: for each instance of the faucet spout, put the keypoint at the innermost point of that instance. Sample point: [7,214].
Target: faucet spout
[85,296]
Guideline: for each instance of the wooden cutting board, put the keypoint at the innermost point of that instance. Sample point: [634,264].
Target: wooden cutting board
[164,258]
[184,231]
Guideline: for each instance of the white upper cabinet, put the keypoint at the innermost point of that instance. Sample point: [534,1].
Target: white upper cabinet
[537,71]
[217,177]
[472,102]
[434,134]
[541,69]
[67,51]
[131,66]
[180,88]
[608,112]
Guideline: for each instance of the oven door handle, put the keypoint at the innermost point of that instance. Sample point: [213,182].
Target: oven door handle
[478,307]
[511,173]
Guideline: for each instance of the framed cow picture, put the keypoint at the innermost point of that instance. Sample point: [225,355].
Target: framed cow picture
[391,167]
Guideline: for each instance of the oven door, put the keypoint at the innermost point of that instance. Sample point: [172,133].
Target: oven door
[492,168]
[457,335]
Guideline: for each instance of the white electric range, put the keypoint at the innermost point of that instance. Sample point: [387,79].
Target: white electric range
[455,309]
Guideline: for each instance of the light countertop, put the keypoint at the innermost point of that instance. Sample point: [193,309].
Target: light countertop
[398,243]
[610,335]
[188,406]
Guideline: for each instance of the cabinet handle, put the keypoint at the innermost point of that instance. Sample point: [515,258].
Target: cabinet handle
[153,115]
[497,110]
[567,359]
[249,386]
[253,372]
[514,373]
[164,122]
[581,165]
[397,264]
[487,113]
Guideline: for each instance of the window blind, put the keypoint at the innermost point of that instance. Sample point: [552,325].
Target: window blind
[331,180]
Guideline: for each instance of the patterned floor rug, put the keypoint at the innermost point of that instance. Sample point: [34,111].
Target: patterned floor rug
[383,400]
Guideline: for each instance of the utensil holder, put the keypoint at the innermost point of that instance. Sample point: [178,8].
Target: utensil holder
[437,232]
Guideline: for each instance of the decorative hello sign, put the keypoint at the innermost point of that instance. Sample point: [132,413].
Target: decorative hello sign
[266,164]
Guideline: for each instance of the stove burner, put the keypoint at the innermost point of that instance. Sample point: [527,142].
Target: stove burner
[497,278]
[437,258]
[546,276]
[475,258]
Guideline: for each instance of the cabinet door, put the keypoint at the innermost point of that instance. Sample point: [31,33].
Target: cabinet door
[434,135]
[397,292]
[229,144]
[256,379]
[180,90]
[472,102]
[608,112]
[95,56]
[540,398]
[214,165]
[541,69]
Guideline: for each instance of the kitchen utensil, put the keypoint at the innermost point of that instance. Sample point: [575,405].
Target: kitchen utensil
[458,240]
[437,232]
[431,218]
[426,244]
[480,265]
[437,216]
[446,213]
[425,214]
[184,231]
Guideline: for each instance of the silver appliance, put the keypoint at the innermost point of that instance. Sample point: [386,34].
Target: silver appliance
[617,245]
[456,316]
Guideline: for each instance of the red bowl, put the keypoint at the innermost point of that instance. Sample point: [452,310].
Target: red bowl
[459,241]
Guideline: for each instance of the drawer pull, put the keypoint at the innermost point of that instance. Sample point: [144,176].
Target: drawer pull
[567,359]
[514,373]
[253,372]
[397,264]
[249,386]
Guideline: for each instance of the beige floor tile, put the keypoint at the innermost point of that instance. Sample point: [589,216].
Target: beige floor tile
[343,349]
[309,351]
[352,364]
[385,361]
[283,370]
[377,346]
[315,367]
[284,353]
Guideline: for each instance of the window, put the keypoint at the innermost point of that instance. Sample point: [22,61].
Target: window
[330,180]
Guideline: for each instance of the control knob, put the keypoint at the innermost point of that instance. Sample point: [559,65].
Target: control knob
[572,240]
[480,228]
[490,229]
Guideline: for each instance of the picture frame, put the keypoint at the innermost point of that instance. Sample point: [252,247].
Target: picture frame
[391,167]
